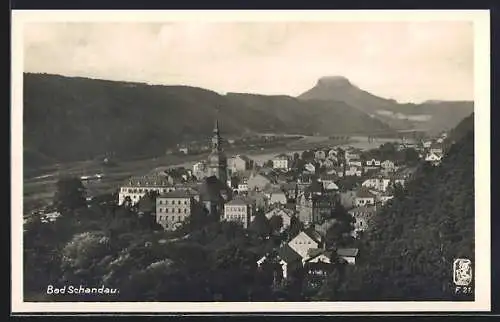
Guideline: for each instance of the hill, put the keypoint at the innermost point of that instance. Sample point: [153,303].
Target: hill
[72,118]
[434,116]
[409,251]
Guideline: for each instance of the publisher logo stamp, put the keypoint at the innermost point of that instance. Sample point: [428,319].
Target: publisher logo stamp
[462,272]
[462,276]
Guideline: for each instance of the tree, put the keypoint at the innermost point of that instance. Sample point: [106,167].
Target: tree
[307,155]
[83,258]
[276,223]
[260,225]
[70,194]
[339,234]
[410,156]
[295,227]
[147,204]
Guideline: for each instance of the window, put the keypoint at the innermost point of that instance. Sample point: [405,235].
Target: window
[179,210]
[161,209]
[179,202]
[185,211]
[185,202]
[161,201]
[166,210]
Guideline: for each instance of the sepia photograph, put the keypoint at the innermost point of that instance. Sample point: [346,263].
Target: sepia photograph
[250,161]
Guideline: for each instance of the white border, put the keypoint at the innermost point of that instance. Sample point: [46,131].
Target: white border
[481,21]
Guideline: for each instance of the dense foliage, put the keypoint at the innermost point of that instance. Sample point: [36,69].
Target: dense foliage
[408,253]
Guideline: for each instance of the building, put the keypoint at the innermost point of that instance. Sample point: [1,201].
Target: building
[239,210]
[282,162]
[388,165]
[362,216]
[285,258]
[383,198]
[258,182]
[213,195]
[260,199]
[277,196]
[350,255]
[351,154]
[355,162]
[328,163]
[373,163]
[354,171]
[364,197]
[200,169]
[328,181]
[240,163]
[173,208]
[319,155]
[136,187]
[436,148]
[427,144]
[310,168]
[313,208]
[433,158]
[285,214]
[305,241]
[217,161]
[377,183]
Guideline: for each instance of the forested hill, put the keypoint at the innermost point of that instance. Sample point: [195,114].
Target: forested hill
[67,119]
[408,253]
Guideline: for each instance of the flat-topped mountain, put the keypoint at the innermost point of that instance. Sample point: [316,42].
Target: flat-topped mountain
[432,115]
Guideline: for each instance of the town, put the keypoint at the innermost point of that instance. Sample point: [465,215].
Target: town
[308,210]
[298,197]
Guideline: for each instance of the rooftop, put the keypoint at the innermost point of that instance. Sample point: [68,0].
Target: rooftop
[240,201]
[287,254]
[364,193]
[364,209]
[350,252]
[180,193]
[148,181]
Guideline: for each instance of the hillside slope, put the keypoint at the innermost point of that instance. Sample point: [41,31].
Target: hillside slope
[435,116]
[68,119]
[409,252]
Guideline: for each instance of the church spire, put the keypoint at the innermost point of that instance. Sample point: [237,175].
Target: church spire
[216,127]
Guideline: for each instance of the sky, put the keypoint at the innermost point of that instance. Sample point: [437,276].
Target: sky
[407,61]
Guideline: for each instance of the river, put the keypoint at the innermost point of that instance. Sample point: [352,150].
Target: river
[39,190]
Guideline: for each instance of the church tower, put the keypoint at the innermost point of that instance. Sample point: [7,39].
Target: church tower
[217,161]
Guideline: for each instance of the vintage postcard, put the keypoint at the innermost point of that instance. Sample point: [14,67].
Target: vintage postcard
[250,161]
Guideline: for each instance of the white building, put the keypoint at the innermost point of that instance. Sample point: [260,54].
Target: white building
[433,158]
[378,183]
[304,242]
[136,187]
[282,162]
[239,210]
[364,198]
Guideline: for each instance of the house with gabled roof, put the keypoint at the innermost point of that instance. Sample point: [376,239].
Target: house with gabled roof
[284,213]
[434,158]
[364,197]
[240,163]
[287,259]
[306,240]
[349,255]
